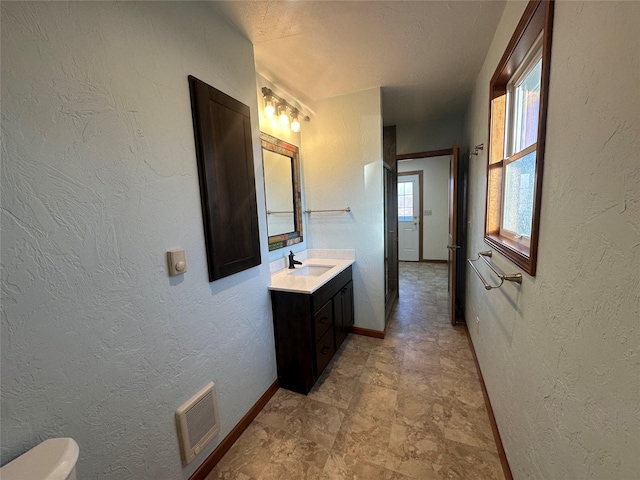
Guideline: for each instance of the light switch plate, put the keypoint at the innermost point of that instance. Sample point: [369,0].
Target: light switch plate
[428,212]
[177,262]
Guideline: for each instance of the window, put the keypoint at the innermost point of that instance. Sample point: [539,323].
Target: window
[405,201]
[518,102]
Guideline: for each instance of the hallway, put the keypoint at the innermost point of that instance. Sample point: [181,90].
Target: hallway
[406,407]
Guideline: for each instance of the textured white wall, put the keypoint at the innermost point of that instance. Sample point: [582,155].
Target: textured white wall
[342,149]
[435,197]
[99,180]
[430,135]
[560,353]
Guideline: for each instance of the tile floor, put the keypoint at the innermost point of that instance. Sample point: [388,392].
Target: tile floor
[406,407]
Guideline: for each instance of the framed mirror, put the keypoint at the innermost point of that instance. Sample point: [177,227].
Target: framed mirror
[281,164]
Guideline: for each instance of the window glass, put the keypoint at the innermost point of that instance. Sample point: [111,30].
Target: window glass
[526,96]
[519,183]
[405,201]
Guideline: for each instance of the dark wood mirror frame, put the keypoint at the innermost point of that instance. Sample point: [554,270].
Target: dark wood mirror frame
[276,145]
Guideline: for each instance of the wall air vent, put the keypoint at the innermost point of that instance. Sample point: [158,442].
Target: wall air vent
[198,422]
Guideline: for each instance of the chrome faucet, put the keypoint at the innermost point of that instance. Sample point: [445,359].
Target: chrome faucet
[292,261]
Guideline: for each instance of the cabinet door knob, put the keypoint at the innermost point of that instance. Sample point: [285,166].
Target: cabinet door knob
[323,320]
[325,349]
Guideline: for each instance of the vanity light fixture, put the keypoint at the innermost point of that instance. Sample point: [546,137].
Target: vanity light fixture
[275,105]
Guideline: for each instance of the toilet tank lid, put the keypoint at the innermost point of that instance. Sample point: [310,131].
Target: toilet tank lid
[53,459]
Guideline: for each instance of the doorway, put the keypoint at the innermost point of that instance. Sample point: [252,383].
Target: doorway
[431,217]
[409,216]
[432,214]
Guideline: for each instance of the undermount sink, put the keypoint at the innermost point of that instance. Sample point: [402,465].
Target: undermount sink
[308,277]
[311,270]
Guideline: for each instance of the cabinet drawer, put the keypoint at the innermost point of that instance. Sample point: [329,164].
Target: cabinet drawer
[323,320]
[333,286]
[324,351]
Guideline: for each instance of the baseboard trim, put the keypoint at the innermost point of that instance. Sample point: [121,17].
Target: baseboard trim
[212,460]
[366,332]
[492,419]
[424,260]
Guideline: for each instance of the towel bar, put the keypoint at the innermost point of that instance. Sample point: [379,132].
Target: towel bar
[512,277]
[348,209]
[270,212]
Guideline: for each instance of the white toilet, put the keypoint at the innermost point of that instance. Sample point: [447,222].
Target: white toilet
[53,459]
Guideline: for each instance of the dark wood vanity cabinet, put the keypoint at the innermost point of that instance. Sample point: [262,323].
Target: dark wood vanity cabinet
[343,313]
[309,328]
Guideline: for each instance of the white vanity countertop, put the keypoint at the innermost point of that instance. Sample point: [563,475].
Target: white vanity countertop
[286,281]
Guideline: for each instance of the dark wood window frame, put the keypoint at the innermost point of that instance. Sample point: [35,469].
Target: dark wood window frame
[536,20]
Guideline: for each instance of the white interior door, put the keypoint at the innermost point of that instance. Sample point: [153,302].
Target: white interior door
[408,211]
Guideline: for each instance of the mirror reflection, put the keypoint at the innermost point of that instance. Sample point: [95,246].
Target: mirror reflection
[282,192]
[279,192]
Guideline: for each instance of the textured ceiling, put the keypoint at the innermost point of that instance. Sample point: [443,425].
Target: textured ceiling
[425,54]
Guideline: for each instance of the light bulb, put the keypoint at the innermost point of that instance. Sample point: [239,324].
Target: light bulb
[295,123]
[269,110]
[282,115]
[269,107]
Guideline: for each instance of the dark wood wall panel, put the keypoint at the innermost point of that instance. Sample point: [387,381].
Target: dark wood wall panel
[222,128]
